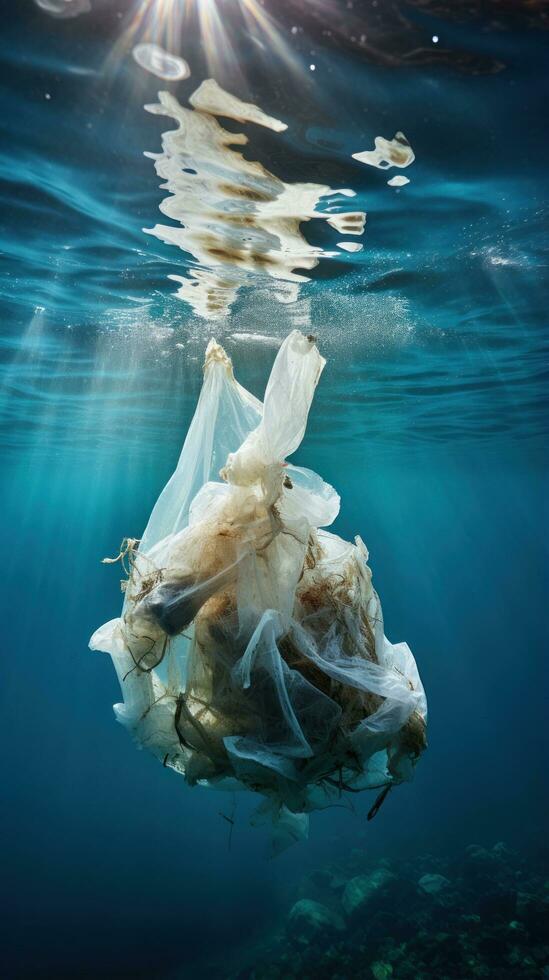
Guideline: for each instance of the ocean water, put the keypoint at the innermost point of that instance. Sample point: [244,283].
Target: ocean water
[430,420]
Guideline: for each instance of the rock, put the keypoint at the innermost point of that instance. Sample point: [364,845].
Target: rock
[540,954]
[478,854]
[489,945]
[387,921]
[516,926]
[363,890]
[328,877]
[338,881]
[309,920]
[534,912]
[524,904]
[433,884]
[497,904]
[320,877]
[381,971]
[480,865]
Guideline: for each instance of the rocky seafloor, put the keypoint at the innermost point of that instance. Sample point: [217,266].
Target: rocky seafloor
[481,913]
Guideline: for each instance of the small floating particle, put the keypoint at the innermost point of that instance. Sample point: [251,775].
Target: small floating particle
[64,8]
[312,67]
[399,181]
[47,96]
[350,246]
[161,63]
[435,38]
[210,97]
[388,153]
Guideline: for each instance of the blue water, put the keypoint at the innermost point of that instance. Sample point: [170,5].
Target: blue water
[430,419]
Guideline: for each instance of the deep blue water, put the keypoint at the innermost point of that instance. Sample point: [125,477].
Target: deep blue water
[430,419]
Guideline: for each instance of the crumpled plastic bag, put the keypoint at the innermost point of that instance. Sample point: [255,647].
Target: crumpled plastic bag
[250,650]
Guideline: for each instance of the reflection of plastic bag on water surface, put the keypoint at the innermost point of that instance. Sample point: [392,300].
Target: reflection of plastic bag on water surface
[250,650]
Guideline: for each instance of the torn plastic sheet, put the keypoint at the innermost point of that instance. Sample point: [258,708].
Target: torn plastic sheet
[250,650]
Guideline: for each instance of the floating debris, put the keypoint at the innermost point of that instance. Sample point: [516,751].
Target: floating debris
[161,63]
[64,8]
[238,220]
[388,153]
[250,649]
[399,181]
[349,222]
[211,98]
[351,246]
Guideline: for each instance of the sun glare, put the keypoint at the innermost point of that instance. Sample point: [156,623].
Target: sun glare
[223,25]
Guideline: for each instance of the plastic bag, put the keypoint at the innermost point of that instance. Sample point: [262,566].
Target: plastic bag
[250,650]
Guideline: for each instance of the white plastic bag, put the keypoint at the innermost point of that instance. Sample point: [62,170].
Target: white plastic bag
[250,649]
